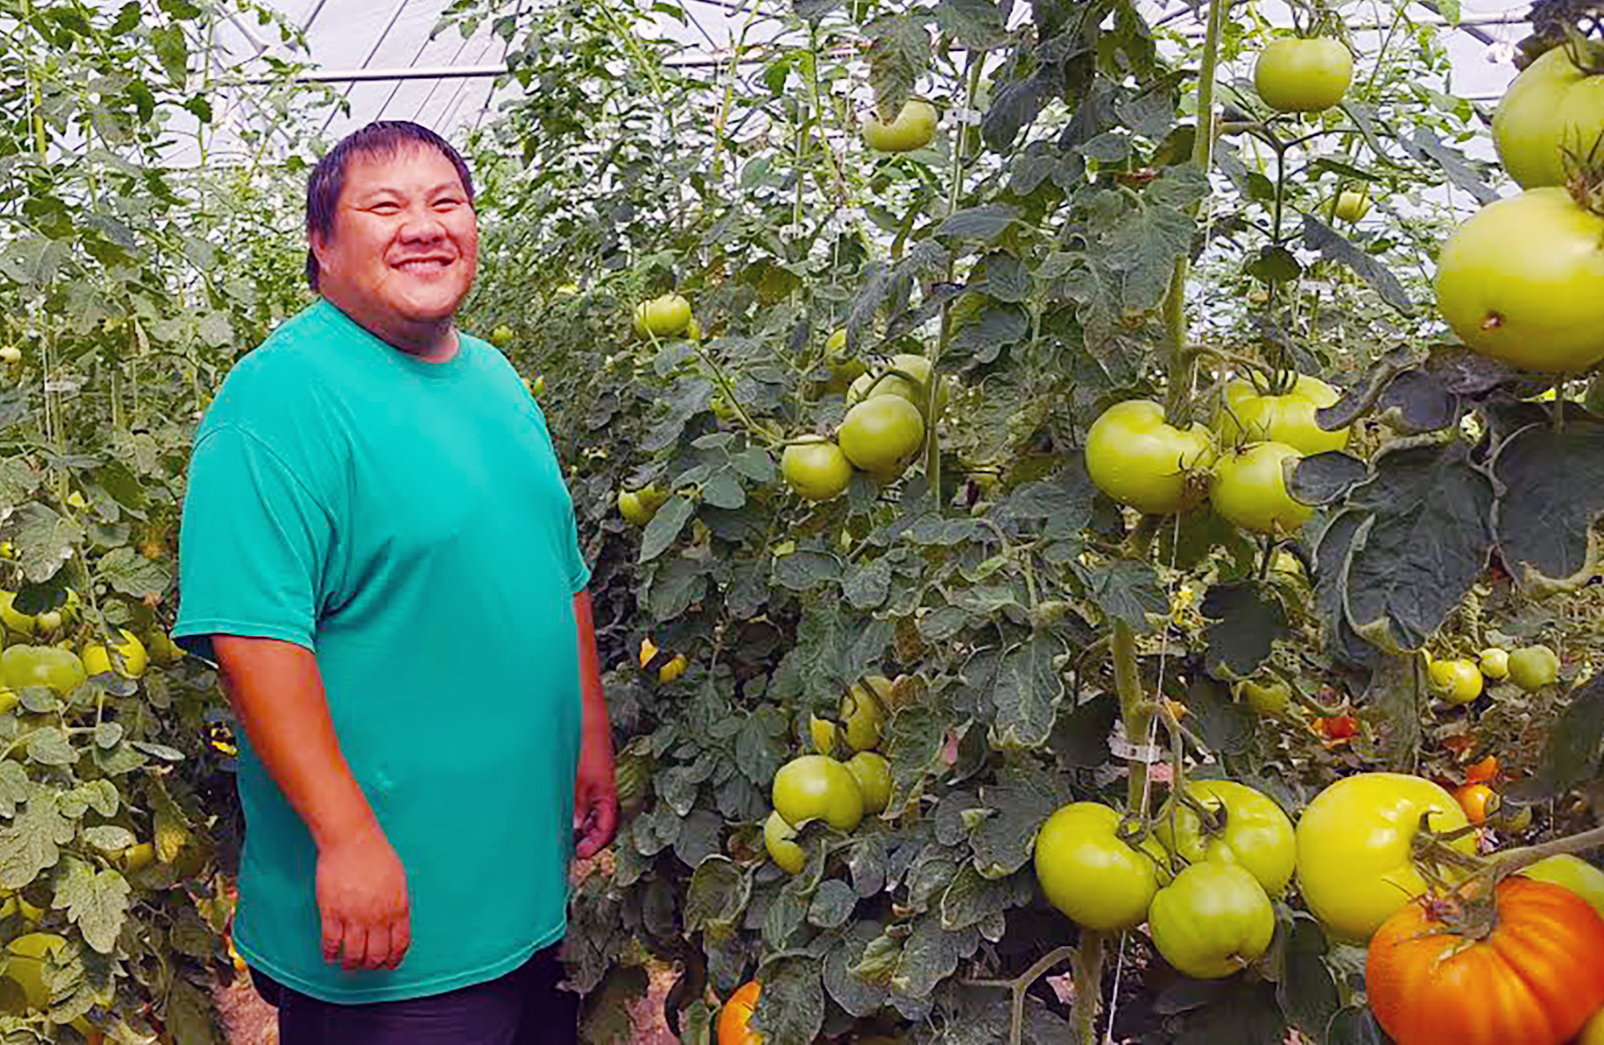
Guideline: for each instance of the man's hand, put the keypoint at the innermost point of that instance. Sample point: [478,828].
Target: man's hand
[362,897]
[595,795]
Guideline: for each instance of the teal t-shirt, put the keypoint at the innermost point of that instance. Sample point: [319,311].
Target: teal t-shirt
[408,522]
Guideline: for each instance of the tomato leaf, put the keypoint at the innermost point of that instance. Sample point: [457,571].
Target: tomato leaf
[1553,493]
[984,223]
[698,837]
[1425,145]
[1125,590]
[1355,1026]
[1025,690]
[1247,618]
[790,1011]
[899,52]
[1226,726]
[1326,477]
[975,25]
[31,843]
[1427,539]
[833,903]
[44,540]
[1080,737]
[972,898]
[1022,799]
[1392,699]
[1307,991]
[607,1014]
[1317,235]
[96,902]
[717,895]
[929,955]
[665,527]
[853,993]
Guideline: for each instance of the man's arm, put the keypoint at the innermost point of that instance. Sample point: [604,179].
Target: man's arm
[595,794]
[277,694]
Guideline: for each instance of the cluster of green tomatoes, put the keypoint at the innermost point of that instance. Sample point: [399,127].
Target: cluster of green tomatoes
[1459,680]
[844,779]
[881,434]
[1239,464]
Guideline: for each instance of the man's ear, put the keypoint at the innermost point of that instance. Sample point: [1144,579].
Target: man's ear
[319,246]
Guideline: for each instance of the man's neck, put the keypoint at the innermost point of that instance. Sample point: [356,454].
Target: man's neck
[430,342]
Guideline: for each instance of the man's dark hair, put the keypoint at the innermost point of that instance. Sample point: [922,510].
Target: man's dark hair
[380,138]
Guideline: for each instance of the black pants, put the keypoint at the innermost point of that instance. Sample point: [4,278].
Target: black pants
[524,1007]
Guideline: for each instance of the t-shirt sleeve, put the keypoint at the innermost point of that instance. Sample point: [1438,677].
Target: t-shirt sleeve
[252,543]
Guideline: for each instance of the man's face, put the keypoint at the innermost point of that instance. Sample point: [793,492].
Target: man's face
[405,244]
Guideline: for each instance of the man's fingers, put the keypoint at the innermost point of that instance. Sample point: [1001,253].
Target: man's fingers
[400,940]
[333,933]
[356,947]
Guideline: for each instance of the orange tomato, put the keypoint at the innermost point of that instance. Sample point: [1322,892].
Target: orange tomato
[1534,976]
[1338,729]
[1477,800]
[1483,771]
[732,1021]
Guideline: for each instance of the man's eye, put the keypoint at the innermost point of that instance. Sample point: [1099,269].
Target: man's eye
[385,208]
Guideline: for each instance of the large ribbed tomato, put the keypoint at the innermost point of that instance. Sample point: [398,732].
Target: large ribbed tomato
[1533,976]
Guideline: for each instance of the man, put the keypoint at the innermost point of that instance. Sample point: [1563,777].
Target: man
[379,553]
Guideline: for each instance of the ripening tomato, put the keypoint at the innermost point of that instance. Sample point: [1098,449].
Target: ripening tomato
[1303,75]
[1533,667]
[1575,874]
[779,838]
[1091,874]
[818,787]
[1523,281]
[737,1012]
[1355,848]
[1494,662]
[1552,108]
[1483,771]
[913,128]
[1139,460]
[665,316]
[1248,417]
[1532,973]
[873,774]
[1249,489]
[1456,681]
[1478,801]
[1212,921]
[1255,834]
[882,435]
[816,470]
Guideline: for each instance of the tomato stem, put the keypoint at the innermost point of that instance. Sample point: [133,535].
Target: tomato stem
[1507,863]
[1088,987]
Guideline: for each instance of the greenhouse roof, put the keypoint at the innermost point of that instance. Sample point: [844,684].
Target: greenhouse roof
[392,59]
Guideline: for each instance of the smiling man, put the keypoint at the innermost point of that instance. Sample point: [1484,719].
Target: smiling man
[379,553]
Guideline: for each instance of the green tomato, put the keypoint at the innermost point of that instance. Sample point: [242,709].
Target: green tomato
[836,343]
[1458,681]
[881,435]
[59,669]
[1247,417]
[1271,697]
[1575,874]
[1303,75]
[779,838]
[1249,490]
[1352,204]
[1533,667]
[913,128]
[666,316]
[1355,848]
[863,717]
[816,787]
[639,506]
[1256,834]
[1494,662]
[26,964]
[869,385]
[1091,874]
[1139,460]
[1212,921]
[1523,281]
[1552,108]
[873,774]
[817,471]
